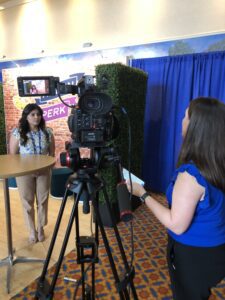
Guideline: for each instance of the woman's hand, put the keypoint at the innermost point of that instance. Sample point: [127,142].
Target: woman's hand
[137,189]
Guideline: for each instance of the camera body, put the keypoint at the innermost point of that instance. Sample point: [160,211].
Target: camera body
[92,123]
[90,130]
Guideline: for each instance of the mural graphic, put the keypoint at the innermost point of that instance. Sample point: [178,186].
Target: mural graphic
[55,112]
[86,61]
[71,67]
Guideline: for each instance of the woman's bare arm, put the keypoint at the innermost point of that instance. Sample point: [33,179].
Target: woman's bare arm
[13,145]
[186,194]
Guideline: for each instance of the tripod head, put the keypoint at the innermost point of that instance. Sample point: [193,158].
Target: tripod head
[97,157]
[86,169]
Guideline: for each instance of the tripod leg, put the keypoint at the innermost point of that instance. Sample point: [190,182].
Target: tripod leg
[83,280]
[56,229]
[106,243]
[121,287]
[93,280]
[43,288]
[123,255]
[65,241]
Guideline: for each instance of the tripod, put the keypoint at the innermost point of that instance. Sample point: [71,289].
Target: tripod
[89,181]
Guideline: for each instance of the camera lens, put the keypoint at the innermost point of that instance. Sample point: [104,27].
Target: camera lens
[93,103]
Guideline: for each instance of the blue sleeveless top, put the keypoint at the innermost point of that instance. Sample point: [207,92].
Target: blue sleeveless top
[207,228]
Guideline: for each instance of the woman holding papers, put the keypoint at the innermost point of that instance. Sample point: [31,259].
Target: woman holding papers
[195,217]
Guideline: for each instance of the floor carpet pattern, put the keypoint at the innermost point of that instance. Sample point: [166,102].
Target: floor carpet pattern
[151,275]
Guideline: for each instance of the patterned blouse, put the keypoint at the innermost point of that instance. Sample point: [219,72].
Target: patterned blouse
[36,143]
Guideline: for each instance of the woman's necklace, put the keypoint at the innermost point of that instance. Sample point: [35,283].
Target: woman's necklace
[35,148]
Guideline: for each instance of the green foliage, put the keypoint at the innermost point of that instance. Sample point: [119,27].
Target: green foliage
[127,88]
[218,46]
[2,124]
[180,47]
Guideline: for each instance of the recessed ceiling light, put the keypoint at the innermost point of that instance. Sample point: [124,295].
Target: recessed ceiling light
[88,44]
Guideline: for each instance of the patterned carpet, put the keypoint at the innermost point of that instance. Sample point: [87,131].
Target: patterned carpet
[151,276]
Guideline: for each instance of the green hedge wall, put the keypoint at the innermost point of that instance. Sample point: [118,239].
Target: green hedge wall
[127,88]
[2,123]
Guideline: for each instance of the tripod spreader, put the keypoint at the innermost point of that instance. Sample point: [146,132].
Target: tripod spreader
[89,244]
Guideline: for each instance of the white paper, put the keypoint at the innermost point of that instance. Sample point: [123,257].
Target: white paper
[133,177]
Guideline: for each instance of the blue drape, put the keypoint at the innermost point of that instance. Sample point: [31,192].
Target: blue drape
[172,82]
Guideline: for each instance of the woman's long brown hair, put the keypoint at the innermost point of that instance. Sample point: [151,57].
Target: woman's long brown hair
[24,125]
[204,142]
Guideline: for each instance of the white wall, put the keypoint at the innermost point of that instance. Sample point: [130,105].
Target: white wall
[62,26]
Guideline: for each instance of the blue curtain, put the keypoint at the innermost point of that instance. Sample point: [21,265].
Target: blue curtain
[172,82]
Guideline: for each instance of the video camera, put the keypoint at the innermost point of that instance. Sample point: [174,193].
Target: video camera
[92,121]
[93,125]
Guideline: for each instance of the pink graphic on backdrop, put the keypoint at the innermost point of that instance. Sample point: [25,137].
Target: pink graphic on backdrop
[53,112]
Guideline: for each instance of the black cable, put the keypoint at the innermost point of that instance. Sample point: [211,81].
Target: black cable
[59,96]
[80,281]
[131,191]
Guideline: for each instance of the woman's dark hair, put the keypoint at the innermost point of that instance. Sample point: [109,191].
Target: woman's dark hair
[204,142]
[24,125]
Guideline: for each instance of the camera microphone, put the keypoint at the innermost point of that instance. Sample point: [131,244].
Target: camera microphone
[124,202]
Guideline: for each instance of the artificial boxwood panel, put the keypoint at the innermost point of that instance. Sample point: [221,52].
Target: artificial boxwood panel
[2,123]
[127,88]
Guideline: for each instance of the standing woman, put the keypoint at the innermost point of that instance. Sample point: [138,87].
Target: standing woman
[195,218]
[33,137]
